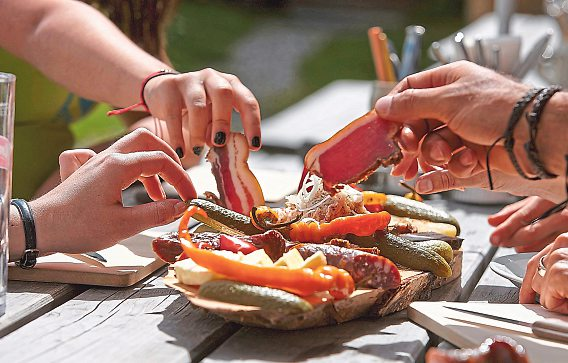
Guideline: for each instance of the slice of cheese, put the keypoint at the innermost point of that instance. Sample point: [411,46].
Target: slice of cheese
[258,257]
[190,273]
[291,259]
[314,261]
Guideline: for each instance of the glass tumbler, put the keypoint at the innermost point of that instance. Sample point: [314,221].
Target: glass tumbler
[7,104]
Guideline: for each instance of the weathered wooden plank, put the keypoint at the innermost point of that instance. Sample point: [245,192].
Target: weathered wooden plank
[494,288]
[148,322]
[28,300]
[392,338]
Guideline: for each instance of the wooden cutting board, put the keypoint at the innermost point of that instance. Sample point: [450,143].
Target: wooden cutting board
[450,325]
[415,285]
[127,263]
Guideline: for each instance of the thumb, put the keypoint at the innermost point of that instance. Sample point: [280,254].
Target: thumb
[156,213]
[71,160]
[412,105]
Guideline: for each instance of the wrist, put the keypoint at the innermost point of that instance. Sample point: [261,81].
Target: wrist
[17,242]
[552,139]
[552,144]
[46,227]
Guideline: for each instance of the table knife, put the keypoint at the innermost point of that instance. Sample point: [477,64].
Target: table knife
[548,328]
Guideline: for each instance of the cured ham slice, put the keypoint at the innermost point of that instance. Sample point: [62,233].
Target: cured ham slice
[238,188]
[355,151]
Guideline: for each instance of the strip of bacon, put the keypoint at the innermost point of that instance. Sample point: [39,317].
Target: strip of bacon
[355,151]
[238,188]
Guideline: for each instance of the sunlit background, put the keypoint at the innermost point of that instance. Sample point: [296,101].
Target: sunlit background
[283,50]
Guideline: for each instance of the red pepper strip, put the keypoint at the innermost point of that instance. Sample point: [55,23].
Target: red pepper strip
[302,282]
[184,221]
[374,208]
[359,225]
[233,244]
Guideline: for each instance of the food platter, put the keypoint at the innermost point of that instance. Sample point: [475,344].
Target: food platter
[415,286]
[328,254]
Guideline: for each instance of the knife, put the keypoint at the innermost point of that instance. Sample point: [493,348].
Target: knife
[548,328]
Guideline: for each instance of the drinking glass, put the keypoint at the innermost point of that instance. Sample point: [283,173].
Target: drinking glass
[7,103]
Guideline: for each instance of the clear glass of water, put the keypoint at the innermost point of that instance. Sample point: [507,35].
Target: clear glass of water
[7,104]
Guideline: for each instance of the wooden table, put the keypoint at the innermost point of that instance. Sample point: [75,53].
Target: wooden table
[150,322]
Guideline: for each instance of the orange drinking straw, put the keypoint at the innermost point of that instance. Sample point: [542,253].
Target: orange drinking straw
[389,69]
[378,58]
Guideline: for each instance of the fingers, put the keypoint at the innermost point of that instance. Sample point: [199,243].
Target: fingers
[71,160]
[527,295]
[503,234]
[411,134]
[153,187]
[438,146]
[153,214]
[500,217]
[432,78]
[220,92]
[406,166]
[142,140]
[404,106]
[147,164]
[544,230]
[537,245]
[198,117]
[463,163]
[249,109]
[442,180]
[166,102]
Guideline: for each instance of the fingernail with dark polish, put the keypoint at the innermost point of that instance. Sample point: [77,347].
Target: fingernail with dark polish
[255,141]
[197,150]
[220,138]
[179,152]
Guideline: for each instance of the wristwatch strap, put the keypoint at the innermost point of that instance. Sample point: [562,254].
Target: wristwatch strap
[29,257]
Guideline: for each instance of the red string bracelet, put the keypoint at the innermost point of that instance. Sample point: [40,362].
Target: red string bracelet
[142,103]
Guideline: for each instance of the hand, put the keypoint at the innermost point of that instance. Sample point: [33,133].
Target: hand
[197,108]
[553,287]
[437,180]
[85,212]
[448,108]
[513,228]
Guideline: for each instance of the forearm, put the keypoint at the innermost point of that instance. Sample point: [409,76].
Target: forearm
[78,47]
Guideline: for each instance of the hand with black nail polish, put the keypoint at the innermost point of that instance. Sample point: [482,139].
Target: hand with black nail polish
[202,102]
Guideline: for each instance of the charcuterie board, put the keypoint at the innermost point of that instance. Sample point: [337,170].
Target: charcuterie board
[416,285]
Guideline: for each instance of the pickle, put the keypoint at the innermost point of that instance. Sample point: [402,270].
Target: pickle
[251,295]
[440,247]
[454,242]
[223,219]
[412,254]
[404,207]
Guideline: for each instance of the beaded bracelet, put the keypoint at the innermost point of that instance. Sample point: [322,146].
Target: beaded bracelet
[142,103]
[533,118]
[509,134]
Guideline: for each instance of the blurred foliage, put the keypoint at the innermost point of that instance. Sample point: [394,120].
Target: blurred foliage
[202,32]
[347,56]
